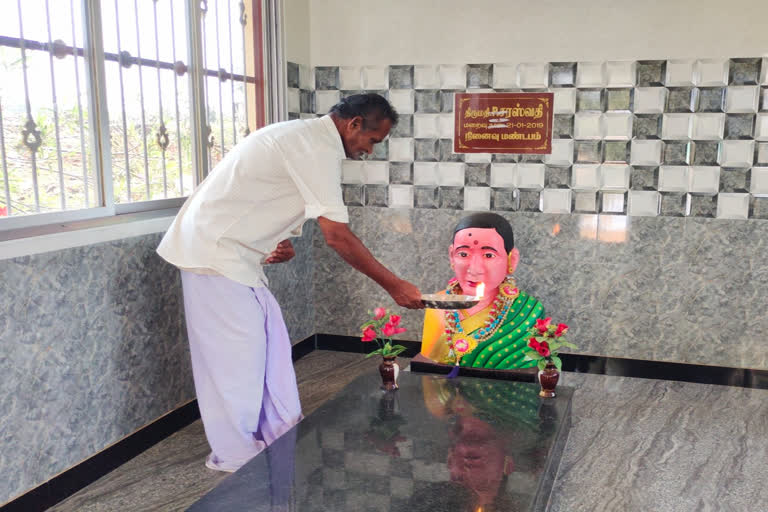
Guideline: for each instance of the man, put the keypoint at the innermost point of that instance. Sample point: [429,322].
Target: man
[238,219]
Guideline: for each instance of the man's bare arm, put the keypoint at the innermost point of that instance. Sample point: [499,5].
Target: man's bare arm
[340,238]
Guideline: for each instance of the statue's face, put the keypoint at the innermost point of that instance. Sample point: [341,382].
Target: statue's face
[478,256]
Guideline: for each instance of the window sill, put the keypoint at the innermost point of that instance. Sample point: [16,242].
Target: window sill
[54,237]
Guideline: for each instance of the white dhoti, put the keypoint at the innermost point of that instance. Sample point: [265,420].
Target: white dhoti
[242,367]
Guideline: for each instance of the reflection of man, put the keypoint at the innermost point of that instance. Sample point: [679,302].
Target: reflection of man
[236,221]
[491,334]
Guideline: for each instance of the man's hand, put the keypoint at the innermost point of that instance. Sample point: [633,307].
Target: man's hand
[283,253]
[407,295]
[351,249]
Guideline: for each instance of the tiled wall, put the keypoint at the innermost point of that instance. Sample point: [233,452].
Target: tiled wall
[94,347]
[679,138]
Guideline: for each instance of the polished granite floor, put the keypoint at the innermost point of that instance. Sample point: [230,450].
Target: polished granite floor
[635,445]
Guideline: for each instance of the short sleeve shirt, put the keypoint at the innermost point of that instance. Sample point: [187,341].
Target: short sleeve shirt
[262,192]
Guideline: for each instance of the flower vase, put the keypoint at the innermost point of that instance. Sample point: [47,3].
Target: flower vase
[389,371]
[548,378]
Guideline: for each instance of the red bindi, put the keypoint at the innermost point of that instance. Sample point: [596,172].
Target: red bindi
[476,242]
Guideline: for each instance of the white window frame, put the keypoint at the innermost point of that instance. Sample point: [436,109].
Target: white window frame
[14,228]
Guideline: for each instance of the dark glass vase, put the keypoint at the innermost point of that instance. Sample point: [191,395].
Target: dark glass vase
[548,378]
[389,370]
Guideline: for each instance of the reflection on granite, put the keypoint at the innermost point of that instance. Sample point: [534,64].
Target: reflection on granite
[435,444]
[686,290]
[94,347]
[291,284]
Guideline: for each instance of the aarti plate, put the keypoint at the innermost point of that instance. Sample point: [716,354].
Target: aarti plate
[442,301]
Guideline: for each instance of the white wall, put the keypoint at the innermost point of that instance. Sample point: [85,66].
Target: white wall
[379,32]
[297,31]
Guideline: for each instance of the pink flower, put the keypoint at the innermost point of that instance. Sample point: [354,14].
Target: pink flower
[394,320]
[369,334]
[379,313]
[561,328]
[461,345]
[3,211]
[542,324]
[390,330]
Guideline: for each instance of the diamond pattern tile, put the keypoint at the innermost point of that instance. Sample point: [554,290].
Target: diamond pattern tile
[584,201]
[401,77]
[451,198]
[477,198]
[744,72]
[674,204]
[557,177]
[479,76]
[735,180]
[618,99]
[711,99]
[647,126]
[682,99]
[739,126]
[644,178]
[680,137]
[562,74]
[651,73]
[644,203]
[703,206]
[505,199]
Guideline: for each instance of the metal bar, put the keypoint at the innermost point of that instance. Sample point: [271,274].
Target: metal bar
[258,57]
[30,122]
[98,114]
[80,110]
[14,42]
[160,104]
[122,104]
[176,96]
[9,208]
[276,68]
[141,101]
[245,70]
[232,68]
[63,195]
[208,129]
[218,64]
[198,115]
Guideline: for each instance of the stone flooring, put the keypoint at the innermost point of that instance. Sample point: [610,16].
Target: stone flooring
[172,475]
[635,445]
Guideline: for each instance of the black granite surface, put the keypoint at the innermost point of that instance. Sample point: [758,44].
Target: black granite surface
[434,445]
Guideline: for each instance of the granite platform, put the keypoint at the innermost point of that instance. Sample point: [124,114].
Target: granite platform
[435,444]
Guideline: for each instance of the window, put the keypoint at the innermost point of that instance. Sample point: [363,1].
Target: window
[113,106]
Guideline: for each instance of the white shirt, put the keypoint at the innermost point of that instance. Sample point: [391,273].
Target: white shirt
[262,192]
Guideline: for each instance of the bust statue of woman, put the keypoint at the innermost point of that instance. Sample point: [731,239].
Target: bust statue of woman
[491,334]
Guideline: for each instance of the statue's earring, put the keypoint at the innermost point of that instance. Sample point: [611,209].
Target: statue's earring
[509,465]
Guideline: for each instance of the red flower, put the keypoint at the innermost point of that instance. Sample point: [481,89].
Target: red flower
[543,349]
[390,330]
[534,344]
[3,211]
[561,328]
[394,320]
[379,313]
[542,324]
[369,334]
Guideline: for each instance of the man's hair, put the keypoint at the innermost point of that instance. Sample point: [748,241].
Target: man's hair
[371,107]
[489,220]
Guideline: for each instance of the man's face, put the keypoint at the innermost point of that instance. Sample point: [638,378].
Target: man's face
[358,141]
[478,256]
